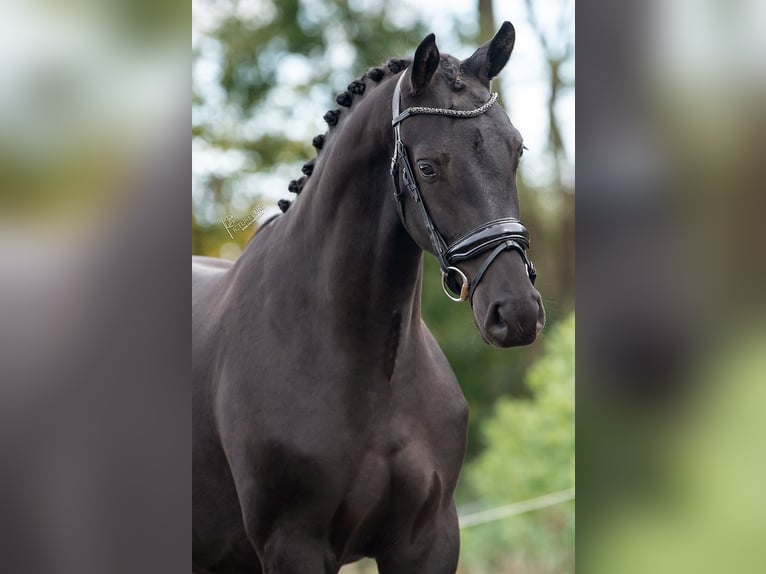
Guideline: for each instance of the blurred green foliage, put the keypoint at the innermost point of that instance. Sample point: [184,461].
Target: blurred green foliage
[529,451]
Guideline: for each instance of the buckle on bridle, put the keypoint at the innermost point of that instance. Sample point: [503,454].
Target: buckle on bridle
[464,285]
[395,175]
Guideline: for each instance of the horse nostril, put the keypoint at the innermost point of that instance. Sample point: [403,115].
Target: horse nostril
[512,323]
[495,324]
[497,317]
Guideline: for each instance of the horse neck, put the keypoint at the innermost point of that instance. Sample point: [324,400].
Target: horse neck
[368,266]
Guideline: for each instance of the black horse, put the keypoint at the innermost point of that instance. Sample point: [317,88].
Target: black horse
[328,425]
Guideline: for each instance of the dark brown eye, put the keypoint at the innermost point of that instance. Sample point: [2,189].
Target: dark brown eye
[426,170]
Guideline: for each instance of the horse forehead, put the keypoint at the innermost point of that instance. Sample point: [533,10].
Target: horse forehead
[490,136]
[497,125]
[467,139]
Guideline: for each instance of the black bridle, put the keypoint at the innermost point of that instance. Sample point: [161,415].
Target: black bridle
[497,235]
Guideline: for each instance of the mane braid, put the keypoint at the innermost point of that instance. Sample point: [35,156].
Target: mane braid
[344,99]
[308,167]
[318,141]
[332,117]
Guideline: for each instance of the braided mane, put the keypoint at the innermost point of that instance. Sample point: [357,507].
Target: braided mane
[344,99]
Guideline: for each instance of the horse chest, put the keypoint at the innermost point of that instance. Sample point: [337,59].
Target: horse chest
[394,497]
[406,475]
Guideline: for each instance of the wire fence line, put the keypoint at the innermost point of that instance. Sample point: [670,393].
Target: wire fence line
[515,508]
[367,566]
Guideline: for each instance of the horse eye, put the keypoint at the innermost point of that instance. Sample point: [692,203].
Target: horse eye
[521,151]
[426,170]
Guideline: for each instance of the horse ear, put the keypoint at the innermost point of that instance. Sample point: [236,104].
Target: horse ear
[424,64]
[490,58]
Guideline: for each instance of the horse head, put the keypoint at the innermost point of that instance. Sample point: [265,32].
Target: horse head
[454,172]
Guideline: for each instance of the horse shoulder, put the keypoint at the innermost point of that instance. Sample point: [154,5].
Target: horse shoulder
[447,420]
[430,425]
[443,374]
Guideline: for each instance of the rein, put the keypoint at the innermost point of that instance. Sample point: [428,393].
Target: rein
[497,235]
